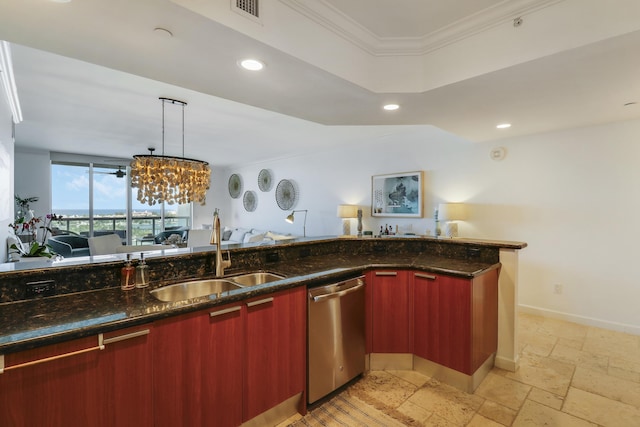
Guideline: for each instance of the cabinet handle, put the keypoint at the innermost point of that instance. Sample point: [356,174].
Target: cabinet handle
[386,273]
[225,311]
[260,301]
[100,346]
[426,276]
[338,294]
[126,336]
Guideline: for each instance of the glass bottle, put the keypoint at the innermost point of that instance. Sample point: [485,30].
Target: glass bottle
[127,275]
[142,273]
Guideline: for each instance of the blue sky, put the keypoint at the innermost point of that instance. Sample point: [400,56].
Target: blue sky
[70,189]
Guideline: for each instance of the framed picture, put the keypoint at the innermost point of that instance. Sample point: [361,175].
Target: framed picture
[398,195]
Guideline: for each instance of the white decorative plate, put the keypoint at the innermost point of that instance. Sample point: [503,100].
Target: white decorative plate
[235,186]
[265,180]
[286,195]
[250,201]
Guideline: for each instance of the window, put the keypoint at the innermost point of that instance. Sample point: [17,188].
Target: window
[97,199]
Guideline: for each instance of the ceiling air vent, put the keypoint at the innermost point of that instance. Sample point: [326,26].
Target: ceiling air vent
[247,6]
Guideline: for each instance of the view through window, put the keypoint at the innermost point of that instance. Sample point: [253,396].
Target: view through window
[97,206]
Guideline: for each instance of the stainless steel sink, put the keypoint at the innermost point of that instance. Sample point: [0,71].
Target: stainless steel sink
[197,288]
[253,279]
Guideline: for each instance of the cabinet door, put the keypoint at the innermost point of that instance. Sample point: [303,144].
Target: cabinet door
[197,369]
[391,317]
[275,350]
[442,316]
[80,384]
[425,315]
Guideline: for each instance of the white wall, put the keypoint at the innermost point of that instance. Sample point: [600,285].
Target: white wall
[33,178]
[570,195]
[6,174]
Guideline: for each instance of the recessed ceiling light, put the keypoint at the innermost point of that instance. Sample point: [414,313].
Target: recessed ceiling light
[504,126]
[61,1]
[252,64]
[391,107]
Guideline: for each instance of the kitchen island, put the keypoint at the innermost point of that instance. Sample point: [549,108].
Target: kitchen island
[103,308]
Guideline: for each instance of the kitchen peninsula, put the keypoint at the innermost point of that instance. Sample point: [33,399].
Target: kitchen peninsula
[89,304]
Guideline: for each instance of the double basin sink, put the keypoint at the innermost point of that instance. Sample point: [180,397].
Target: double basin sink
[201,288]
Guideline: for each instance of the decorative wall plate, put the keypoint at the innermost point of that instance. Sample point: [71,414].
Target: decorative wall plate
[265,180]
[235,186]
[250,201]
[286,195]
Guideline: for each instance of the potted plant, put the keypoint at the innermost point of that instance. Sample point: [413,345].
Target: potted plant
[35,248]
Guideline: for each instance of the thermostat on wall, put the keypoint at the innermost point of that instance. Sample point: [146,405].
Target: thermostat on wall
[498,153]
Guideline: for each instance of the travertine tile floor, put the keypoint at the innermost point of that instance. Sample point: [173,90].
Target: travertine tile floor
[570,375]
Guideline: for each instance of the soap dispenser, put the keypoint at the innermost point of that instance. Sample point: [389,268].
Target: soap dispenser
[127,275]
[142,273]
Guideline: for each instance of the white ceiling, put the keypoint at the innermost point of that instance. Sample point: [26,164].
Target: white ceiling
[89,73]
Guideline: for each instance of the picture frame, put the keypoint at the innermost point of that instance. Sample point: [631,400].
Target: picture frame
[397,195]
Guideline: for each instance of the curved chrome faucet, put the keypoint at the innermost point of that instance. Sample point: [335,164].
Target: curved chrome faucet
[216,240]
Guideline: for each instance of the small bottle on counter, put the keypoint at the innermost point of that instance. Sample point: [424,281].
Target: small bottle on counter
[127,275]
[142,273]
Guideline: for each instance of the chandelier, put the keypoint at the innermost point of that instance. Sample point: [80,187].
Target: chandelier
[167,178]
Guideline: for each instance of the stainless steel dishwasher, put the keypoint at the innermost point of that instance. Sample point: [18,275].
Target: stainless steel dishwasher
[336,336]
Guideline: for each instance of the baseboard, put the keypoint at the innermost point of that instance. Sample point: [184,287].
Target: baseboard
[390,361]
[582,320]
[277,414]
[464,382]
[507,364]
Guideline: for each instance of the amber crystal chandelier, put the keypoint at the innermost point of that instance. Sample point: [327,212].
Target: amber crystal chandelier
[167,178]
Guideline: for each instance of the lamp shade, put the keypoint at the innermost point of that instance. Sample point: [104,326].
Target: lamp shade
[452,211]
[347,211]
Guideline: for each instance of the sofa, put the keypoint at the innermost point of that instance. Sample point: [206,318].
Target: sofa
[164,235]
[69,245]
[231,236]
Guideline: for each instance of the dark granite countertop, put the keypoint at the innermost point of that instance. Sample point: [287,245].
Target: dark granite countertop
[33,323]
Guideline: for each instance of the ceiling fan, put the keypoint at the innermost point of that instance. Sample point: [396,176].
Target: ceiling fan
[119,173]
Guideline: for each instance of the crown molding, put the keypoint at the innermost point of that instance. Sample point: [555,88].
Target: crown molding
[332,19]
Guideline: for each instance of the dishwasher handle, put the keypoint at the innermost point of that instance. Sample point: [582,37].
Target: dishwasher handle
[329,295]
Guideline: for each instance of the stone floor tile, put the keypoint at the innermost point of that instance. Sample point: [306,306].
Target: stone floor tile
[607,386]
[613,344]
[601,410]
[572,343]
[383,387]
[504,391]
[414,377]
[545,373]
[447,402]
[498,413]
[538,344]
[438,421]
[597,362]
[534,414]
[529,322]
[624,369]
[418,413]
[480,421]
[563,329]
[549,399]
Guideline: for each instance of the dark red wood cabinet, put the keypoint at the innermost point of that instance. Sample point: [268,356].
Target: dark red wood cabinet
[198,367]
[455,319]
[391,311]
[275,350]
[75,384]
[450,320]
